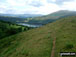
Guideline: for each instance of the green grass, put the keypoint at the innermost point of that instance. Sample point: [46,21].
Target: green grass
[38,42]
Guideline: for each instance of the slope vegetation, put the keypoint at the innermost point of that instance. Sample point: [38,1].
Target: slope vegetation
[8,29]
[39,42]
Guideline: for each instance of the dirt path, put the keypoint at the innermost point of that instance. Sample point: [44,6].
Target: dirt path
[53,48]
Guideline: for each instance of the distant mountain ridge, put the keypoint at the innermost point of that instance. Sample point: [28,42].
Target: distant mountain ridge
[37,19]
[52,17]
[21,15]
[58,14]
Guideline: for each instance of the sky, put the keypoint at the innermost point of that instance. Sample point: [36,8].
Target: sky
[36,6]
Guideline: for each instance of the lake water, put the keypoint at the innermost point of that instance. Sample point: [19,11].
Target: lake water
[30,25]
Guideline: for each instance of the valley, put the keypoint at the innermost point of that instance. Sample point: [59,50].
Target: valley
[37,28]
[38,42]
[38,20]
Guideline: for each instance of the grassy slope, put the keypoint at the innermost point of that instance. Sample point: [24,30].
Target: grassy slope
[38,42]
[33,43]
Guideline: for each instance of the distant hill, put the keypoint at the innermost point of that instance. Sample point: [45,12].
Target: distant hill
[21,15]
[41,20]
[39,42]
[52,17]
[29,15]
[12,19]
[17,18]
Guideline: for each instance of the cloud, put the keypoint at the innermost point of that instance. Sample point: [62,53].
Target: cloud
[54,0]
[49,8]
[69,5]
[36,3]
[35,6]
[49,1]
[29,6]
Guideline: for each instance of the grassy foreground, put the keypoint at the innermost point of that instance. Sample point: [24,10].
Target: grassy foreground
[38,42]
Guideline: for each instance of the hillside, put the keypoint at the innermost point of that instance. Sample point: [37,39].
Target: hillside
[52,17]
[39,42]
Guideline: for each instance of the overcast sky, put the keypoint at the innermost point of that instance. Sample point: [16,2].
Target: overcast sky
[35,6]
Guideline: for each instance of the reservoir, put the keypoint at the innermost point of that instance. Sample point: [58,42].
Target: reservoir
[30,25]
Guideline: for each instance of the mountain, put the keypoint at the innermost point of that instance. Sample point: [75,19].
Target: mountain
[40,20]
[38,42]
[52,17]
